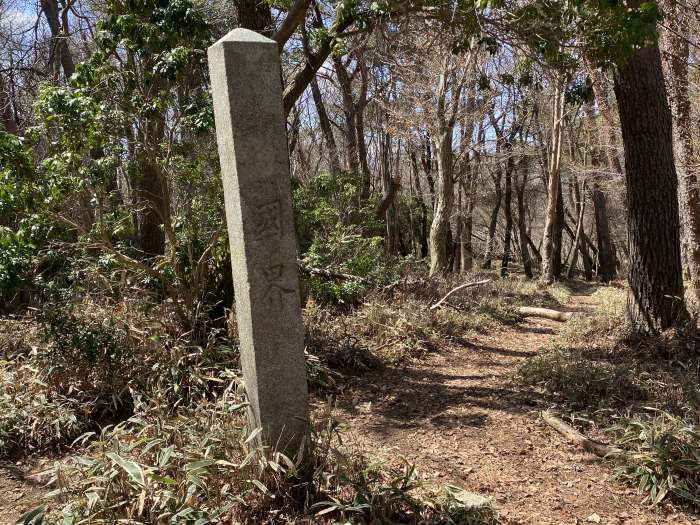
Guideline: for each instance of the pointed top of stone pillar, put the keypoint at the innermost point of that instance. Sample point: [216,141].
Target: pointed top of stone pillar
[243,35]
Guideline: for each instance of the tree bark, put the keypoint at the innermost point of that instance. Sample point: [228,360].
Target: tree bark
[466,254]
[424,209]
[360,129]
[61,56]
[678,53]
[510,166]
[655,301]
[6,110]
[326,129]
[553,185]
[522,225]
[578,243]
[255,15]
[352,159]
[493,223]
[444,197]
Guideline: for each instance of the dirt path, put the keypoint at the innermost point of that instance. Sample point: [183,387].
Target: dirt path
[458,416]
[21,487]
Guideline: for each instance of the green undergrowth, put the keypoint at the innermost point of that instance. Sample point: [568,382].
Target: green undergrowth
[642,392]
[196,466]
[663,458]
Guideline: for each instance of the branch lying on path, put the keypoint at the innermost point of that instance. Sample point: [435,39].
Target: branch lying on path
[328,274]
[574,436]
[461,287]
[546,313]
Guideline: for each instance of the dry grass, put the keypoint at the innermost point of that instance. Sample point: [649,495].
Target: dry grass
[396,324]
[643,392]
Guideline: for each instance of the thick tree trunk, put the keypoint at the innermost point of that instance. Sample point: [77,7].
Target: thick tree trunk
[360,130]
[655,300]
[606,250]
[149,191]
[678,58]
[444,197]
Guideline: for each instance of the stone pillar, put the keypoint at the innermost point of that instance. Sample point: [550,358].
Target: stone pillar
[251,134]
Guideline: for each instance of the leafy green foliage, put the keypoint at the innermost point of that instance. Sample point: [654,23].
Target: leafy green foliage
[338,230]
[20,233]
[611,29]
[664,457]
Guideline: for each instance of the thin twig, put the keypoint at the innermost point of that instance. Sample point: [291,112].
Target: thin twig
[454,290]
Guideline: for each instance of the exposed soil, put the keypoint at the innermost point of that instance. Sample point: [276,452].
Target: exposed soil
[22,487]
[459,416]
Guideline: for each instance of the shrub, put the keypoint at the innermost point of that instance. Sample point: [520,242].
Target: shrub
[579,381]
[663,459]
[197,467]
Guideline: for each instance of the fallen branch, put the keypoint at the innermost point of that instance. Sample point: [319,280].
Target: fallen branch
[546,313]
[461,287]
[574,436]
[329,274]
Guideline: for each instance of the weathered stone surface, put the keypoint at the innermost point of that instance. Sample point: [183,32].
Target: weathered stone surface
[250,127]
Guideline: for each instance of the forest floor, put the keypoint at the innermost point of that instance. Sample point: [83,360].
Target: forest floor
[459,417]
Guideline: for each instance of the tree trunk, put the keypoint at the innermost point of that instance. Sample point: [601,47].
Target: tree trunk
[360,130]
[444,197]
[326,129]
[606,250]
[427,163]
[149,191]
[423,209]
[60,52]
[678,54]
[522,225]
[493,223]
[255,15]
[655,300]
[557,238]
[554,183]
[6,110]
[351,156]
[467,262]
[606,129]
[578,243]
[510,165]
